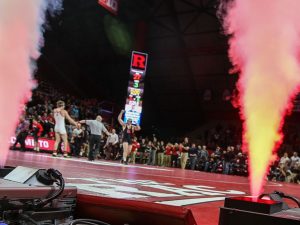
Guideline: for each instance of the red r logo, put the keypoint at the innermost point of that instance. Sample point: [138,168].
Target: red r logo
[139,61]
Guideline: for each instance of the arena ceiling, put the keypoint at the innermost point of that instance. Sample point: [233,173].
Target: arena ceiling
[87,52]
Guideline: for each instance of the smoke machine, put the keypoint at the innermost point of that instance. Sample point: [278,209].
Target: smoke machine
[266,209]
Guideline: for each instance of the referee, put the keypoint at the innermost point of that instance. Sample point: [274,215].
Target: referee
[96,127]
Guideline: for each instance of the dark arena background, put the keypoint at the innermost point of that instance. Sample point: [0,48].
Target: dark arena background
[135,119]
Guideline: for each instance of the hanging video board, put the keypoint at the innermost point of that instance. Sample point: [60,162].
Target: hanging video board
[134,101]
[110,5]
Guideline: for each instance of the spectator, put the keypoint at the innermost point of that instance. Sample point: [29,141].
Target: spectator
[168,154]
[228,157]
[202,157]
[294,173]
[51,121]
[274,172]
[77,135]
[203,153]
[21,133]
[36,131]
[211,164]
[239,165]
[135,147]
[85,142]
[295,159]
[184,153]
[175,155]
[152,154]
[46,125]
[160,155]
[111,145]
[193,156]
[51,134]
[284,160]
[72,145]
[218,152]
[141,151]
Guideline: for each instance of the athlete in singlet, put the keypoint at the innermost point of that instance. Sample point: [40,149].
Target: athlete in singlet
[60,114]
[128,134]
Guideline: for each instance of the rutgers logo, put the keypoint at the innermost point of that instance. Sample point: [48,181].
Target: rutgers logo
[162,193]
[139,61]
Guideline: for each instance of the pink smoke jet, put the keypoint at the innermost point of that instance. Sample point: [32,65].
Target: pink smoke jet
[20,39]
[264,46]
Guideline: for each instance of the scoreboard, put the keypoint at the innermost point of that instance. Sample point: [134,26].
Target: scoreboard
[134,101]
[110,5]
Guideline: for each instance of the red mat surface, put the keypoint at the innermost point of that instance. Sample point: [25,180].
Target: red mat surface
[201,192]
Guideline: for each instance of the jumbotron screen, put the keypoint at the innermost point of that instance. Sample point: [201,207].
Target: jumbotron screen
[134,101]
[110,5]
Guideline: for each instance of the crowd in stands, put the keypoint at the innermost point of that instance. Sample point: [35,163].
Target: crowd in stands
[286,169]
[217,151]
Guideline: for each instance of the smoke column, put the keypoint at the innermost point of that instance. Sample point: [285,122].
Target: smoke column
[264,48]
[20,41]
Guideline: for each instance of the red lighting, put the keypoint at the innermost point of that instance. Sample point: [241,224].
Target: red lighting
[257,200]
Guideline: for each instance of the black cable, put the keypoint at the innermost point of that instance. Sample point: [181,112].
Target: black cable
[53,174]
[58,177]
[87,222]
[19,207]
[282,195]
